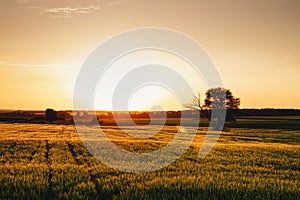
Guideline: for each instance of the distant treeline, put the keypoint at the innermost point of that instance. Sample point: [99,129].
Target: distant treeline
[268,112]
[66,117]
[47,116]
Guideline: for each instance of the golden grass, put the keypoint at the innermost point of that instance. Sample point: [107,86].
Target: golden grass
[40,161]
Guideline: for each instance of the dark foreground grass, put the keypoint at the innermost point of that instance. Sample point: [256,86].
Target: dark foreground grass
[50,162]
[254,122]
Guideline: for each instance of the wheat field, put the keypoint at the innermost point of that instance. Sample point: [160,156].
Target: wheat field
[44,161]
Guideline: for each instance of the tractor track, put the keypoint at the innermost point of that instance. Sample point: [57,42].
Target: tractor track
[50,194]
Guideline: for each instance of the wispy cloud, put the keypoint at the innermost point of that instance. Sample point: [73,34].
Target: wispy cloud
[36,65]
[114,3]
[62,8]
[22,66]
[68,11]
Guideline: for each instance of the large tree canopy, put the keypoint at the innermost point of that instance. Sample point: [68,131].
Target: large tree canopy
[221,98]
[216,99]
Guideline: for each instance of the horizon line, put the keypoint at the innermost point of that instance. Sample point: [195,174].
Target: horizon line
[262,108]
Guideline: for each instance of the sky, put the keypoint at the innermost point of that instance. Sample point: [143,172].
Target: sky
[255,46]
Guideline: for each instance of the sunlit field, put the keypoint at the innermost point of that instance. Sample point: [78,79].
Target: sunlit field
[43,161]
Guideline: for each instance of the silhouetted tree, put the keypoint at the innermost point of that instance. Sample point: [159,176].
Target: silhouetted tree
[195,103]
[221,99]
[51,114]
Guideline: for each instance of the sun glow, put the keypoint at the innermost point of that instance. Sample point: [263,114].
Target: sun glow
[151,97]
[146,96]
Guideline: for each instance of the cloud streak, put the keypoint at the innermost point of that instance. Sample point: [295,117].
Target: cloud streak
[68,11]
[21,66]
[114,3]
[62,8]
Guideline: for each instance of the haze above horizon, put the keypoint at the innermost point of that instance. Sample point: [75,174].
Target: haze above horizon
[255,46]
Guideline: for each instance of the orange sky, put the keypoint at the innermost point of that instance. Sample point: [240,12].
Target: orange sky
[254,44]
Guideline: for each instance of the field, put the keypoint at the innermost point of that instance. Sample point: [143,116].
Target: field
[266,122]
[44,161]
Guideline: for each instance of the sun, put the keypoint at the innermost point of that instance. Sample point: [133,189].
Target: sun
[153,97]
[145,96]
